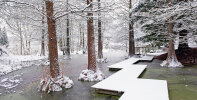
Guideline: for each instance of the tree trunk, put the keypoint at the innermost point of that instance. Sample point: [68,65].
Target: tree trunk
[171,52]
[171,60]
[53,53]
[21,38]
[100,42]
[131,33]
[91,45]
[68,34]
[83,41]
[43,35]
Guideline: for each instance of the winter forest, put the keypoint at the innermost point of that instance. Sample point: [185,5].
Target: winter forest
[98,49]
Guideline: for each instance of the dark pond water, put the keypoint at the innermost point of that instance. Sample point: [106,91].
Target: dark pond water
[27,90]
[182,82]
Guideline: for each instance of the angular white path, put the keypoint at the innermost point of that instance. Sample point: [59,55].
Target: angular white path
[145,89]
[118,81]
[129,62]
[126,81]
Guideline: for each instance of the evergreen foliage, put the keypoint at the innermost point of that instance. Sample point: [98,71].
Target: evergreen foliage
[154,16]
[3,38]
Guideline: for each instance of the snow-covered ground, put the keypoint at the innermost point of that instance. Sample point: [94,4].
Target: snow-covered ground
[15,62]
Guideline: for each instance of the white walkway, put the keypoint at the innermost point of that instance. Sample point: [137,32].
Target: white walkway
[126,80]
[130,61]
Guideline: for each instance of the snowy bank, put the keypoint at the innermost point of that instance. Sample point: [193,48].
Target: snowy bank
[14,62]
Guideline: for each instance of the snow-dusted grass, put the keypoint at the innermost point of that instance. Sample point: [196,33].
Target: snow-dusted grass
[50,84]
[89,75]
[15,62]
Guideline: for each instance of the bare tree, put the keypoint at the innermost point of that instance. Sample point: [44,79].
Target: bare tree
[53,53]
[43,33]
[91,45]
[100,39]
[67,34]
[131,33]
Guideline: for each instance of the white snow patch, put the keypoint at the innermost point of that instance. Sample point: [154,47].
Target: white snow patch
[103,60]
[14,62]
[89,75]
[55,84]
[10,82]
[171,63]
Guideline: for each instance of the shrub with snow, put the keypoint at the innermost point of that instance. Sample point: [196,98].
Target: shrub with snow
[55,84]
[89,75]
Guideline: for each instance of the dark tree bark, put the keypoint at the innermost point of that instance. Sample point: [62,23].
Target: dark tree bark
[43,35]
[83,42]
[53,53]
[100,39]
[67,34]
[91,45]
[131,33]
[82,38]
[183,41]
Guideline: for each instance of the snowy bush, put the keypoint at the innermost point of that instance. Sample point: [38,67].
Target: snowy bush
[55,84]
[89,75]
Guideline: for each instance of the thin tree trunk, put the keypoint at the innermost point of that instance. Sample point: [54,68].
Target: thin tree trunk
[53,53]
[43,35]
[68,34]
[29,50]
[100,42]
[83,41]
[91,46]
[131,33]
[21,37]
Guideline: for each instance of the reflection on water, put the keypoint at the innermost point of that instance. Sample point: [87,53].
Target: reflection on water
[182,82]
